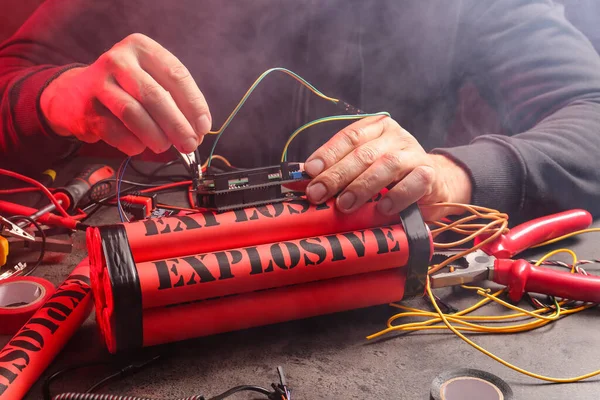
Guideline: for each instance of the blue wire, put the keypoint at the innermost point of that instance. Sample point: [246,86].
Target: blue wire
[120,179]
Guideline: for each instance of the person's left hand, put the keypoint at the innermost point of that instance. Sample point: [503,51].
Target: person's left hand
[374,153]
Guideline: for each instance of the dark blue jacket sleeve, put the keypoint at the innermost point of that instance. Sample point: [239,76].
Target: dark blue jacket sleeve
[543,77]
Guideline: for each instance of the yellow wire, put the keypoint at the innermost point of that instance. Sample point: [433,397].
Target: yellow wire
[252,87]
[495,357]
[321,120]
[461,318]
[418,326]
[568,235]
[218,157]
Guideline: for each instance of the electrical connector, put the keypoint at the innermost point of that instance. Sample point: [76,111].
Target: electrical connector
[140,206]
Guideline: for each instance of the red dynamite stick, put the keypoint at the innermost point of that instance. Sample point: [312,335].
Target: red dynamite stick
[31,350]
[209,317]
[171,237]
[340,272]
[235,271]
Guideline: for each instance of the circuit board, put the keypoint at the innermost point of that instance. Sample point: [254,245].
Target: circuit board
[249,187]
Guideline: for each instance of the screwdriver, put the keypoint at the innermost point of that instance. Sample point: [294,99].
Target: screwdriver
[71,194]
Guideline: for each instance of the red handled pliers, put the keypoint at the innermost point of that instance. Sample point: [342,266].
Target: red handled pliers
[493,262]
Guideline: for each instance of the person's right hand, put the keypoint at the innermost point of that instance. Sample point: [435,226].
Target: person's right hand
[136,95]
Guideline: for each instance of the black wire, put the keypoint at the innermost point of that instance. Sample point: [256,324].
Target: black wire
[103,381]
[154,173]
[130,368]
[96,205]
[48,381]
[140,184]
[276,393]
[242,388]
[43,244]
[156,170]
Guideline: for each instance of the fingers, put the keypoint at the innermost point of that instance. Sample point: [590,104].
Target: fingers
[87,137]
[133,115]
[163,86]
[418,183]
[160,106]
[344,157]
[389,168]
[352,166]
[172,75]
[366,157]
[109,128]
[343,143]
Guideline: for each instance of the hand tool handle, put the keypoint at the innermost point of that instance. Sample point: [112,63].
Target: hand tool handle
[72,193]
[520,277]
[537,231]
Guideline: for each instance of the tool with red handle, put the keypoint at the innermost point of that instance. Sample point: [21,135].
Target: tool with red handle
[71,194]
[493,262]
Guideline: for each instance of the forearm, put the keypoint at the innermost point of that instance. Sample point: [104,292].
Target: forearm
[551,167]
[24,135]
[39,52]
[543,76]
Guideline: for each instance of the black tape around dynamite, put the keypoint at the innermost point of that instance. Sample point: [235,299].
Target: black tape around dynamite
[419,251]
[126,289]
[467,373]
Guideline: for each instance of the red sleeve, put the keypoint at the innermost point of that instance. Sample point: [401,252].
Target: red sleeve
[60,35]
[21,116]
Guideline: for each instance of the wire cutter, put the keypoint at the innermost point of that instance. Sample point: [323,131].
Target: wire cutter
[493,262]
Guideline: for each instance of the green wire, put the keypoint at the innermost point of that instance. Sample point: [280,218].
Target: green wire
[249,92]
[326,119]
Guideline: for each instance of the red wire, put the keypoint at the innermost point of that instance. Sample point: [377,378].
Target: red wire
[19,190]
[43,188]
[167,186]
[24,190]
[81,214]
[159,188]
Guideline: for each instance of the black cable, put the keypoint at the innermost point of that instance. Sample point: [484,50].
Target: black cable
[96,205]
[127,370]
[42,246]
[48,381]
[98,396]
[154,173]
[140,184]
[103,382]
[242,388]
[279,391]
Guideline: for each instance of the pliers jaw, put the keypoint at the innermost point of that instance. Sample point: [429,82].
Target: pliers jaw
[474,267]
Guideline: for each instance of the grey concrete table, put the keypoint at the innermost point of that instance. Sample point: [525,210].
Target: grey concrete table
[329,357]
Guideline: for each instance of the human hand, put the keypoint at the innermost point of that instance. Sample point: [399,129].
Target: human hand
[376,152]
[136,95]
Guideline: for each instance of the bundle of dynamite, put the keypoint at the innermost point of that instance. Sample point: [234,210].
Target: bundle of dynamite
[208,273]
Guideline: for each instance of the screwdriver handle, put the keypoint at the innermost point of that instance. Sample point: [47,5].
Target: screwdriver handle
[520,276]
[72,193]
